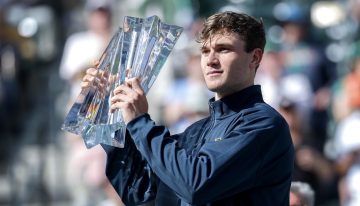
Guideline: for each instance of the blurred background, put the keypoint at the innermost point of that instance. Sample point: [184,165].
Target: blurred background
[310,72]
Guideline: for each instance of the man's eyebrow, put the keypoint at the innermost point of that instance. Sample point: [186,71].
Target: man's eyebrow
[224,45]
[227,45]
[202,48]
[218,45]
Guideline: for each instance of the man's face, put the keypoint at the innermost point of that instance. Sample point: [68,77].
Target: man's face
[226,67]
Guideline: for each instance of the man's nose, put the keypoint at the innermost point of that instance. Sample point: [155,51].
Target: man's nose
[212,59]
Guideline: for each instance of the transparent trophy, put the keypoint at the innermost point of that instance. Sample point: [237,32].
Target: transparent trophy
[139,49]
[75,118]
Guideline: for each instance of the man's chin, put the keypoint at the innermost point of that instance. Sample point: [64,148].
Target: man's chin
[213,86]
[213,89]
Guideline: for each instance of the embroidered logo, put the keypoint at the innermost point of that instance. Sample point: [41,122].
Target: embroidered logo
[217,139]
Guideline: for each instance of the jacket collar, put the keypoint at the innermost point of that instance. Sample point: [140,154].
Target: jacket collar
[235,102]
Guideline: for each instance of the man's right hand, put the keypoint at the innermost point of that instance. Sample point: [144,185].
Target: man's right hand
[96,79]
[91,78]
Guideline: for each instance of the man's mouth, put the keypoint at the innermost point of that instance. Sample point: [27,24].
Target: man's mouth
[214,73]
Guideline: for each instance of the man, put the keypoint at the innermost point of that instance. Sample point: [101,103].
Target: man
[301,194]
[242,154]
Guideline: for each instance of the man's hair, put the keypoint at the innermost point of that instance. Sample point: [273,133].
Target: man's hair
[250,30]
[305,192]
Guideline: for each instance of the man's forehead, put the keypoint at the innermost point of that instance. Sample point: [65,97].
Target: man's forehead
[222,38]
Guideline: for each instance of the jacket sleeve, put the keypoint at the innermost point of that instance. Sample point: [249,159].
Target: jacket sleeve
[129,174]
[221,168]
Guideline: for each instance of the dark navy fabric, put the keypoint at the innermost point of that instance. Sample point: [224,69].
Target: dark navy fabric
[242,154]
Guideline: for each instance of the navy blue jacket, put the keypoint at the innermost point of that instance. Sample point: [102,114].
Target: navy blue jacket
[242,154]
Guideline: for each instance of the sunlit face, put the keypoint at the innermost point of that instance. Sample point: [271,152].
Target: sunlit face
[226,67]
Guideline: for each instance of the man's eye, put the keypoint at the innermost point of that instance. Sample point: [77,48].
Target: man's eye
[205,51]
[223,50]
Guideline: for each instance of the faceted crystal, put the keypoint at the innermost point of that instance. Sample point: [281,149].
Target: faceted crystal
[139,49]
[74,121]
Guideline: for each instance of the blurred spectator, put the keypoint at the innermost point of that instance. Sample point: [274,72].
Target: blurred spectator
[187,97]
[269,77]
[9,70]
[84,48]
[300,57]
[10,93]
[347,141]
[10,109]
[348,148]
[276,85]
[301,194]
[310,165]
[345,91]
[86,166]
[352,84]
[354,7]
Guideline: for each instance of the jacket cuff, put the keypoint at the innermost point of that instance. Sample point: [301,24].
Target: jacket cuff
[136,126]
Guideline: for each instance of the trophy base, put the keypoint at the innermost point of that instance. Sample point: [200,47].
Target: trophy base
[110,134]
[73,121]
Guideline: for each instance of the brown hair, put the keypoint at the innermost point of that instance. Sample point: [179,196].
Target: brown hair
[249,29]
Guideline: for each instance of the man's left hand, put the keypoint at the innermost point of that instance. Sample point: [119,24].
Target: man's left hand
[130,99]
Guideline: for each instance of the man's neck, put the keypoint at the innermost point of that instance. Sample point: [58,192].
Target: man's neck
[220,95]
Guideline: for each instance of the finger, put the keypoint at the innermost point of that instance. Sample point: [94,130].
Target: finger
[92,71]
[106,74]
[136,86]
[121,98]
[104,77]
[85,85]
[96,63]
[123,89]
[119,105]
[113,79]
[102,87]
[88,78]
[103,73]
[127,73]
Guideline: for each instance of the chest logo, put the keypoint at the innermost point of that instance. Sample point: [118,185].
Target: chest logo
[217,139]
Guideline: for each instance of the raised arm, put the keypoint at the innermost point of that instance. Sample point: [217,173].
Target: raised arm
[126,169]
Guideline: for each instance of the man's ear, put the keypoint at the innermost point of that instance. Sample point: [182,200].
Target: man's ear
[256,57]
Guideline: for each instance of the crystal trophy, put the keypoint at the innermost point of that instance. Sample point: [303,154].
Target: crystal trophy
[74,119]
[99,107]
[139,49]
